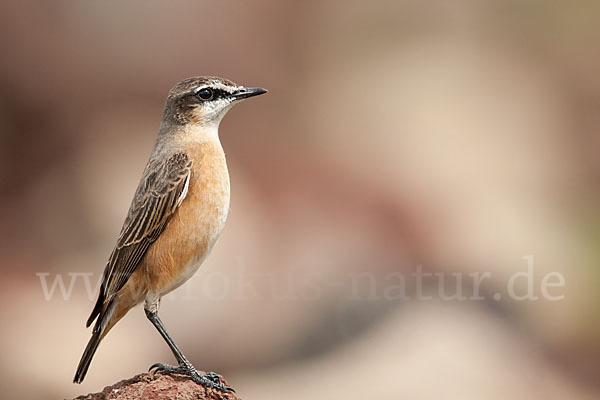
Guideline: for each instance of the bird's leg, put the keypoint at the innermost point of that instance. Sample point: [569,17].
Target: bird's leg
[209,379]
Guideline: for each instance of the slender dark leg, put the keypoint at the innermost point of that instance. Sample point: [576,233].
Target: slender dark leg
[210,379]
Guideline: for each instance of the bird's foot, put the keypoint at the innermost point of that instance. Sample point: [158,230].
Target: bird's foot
[209,379]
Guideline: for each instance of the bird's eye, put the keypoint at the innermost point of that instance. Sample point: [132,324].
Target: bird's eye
[205,94]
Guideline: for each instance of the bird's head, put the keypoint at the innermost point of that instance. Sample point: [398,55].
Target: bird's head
[204,100]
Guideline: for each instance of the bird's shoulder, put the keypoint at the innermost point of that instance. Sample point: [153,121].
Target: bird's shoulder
[162,173]
[162,188]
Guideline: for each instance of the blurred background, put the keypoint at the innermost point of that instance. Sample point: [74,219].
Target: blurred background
[457,136]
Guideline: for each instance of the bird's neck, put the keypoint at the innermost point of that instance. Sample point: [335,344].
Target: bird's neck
[201,133]
[189,133]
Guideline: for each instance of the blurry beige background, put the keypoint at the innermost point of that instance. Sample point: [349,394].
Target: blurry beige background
[460,136]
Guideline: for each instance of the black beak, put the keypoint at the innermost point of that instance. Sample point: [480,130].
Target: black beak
[248,92]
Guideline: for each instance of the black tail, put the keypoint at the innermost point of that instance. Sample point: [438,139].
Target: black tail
[103,312]
[97,308]
[90,349]
[98,312]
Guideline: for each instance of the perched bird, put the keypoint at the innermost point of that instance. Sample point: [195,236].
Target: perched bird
[177,214]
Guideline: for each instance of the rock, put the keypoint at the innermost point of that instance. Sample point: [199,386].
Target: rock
[158,387]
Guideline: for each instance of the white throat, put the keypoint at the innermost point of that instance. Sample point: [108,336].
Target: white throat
[202,133]
[208,129]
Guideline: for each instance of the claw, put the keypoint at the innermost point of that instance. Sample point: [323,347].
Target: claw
[209,379]
[213,377]
[155,367]
[228,389]
[216,379]
[219,384]
[212,381]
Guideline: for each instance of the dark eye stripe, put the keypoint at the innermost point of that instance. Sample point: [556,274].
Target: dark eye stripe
[219,93]
[216,93]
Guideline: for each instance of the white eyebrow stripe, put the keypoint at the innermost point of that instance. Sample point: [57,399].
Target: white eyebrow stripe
[218,85]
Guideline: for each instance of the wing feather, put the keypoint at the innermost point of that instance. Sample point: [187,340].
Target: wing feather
[161,191]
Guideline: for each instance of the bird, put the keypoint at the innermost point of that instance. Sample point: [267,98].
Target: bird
[176,215]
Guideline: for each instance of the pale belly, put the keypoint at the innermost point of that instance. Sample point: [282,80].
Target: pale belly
[193,229]
[203,233]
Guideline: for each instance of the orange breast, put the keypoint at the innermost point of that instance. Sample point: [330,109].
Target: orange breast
[195,226]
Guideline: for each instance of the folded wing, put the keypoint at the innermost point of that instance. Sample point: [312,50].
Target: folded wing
[163,187]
